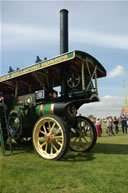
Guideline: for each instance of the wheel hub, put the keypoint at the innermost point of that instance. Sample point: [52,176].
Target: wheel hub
[47,138]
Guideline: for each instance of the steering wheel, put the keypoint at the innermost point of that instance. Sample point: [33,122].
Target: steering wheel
[73,80]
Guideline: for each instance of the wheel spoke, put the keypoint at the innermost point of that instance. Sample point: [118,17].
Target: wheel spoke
[41,145]
[85,139]
[44,128]
[49,125]
[46,146]
[51,129]
[51,148]
[58,142]
[80,140]
[54,147]
[57,137]
[42,132]
[57,132]
[41,138]
[75,139]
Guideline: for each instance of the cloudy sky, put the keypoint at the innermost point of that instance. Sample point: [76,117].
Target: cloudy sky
[31,28]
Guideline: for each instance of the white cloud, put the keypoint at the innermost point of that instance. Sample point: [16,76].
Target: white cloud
[99,39]
[25,36]
[108,106]
[116,72]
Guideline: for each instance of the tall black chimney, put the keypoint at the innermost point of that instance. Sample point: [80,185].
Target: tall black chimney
[63,31]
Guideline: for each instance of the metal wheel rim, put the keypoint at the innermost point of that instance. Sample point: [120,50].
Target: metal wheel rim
[85,138]
[48,138]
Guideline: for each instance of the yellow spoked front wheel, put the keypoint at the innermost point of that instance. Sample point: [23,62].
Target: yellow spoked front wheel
[83,135]
[51,137]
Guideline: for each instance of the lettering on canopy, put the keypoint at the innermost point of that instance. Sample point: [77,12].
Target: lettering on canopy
[38,66]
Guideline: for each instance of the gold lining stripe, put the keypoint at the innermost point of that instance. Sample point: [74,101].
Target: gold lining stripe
[20,102]
[41,110]
[52,109]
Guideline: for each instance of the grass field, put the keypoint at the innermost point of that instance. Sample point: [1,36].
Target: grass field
[104,170]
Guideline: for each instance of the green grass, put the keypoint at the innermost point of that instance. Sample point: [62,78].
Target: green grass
[103,170]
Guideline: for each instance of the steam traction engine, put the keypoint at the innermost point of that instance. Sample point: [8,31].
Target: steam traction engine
[42,100]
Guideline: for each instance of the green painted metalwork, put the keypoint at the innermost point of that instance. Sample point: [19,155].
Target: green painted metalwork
[37,110]
[43,109]
[46,109]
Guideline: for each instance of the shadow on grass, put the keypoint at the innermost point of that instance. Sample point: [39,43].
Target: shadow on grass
[102,148]
[78,156]
[20,148]
[111,148]
[72,156]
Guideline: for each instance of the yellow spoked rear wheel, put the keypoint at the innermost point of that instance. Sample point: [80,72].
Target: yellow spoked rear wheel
[50,137]
[83,136]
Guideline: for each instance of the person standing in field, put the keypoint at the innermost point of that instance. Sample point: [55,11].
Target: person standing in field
[116,122]
[110,126]
[98,127]
[124,123]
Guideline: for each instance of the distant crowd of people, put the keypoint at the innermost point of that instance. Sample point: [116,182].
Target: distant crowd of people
[113,125]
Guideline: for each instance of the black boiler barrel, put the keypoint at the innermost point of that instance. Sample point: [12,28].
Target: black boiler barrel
[63,31]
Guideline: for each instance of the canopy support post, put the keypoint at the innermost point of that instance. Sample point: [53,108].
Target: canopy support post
[96,81]
[16,89]
[83,76]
